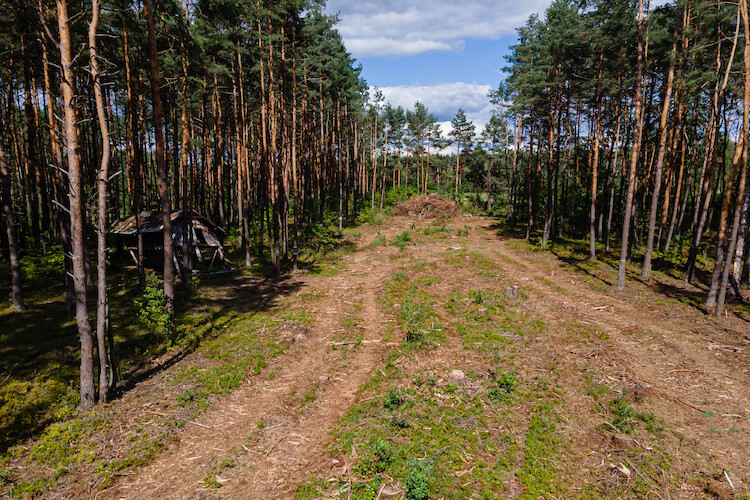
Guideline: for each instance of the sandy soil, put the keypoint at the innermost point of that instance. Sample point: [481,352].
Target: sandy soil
[691,369]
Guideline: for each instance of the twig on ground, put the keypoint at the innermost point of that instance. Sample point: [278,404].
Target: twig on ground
[199,425]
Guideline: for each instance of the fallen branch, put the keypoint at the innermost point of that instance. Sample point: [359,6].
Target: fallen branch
[277,443]
[199,425]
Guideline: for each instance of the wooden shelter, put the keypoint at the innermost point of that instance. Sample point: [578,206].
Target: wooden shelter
[206,240]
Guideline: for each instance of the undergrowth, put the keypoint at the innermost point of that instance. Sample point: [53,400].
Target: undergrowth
[427,434]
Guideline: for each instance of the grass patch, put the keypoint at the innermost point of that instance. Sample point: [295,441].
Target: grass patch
[487,319]
[437,227]
[379,240]
[244,347]
[627,419]
[402,240]
[538,473]
[465,259]
[415,312]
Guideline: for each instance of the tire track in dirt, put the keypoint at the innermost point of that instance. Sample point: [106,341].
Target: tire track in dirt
[667,357]
[270,462]
[690,364]
[292,461]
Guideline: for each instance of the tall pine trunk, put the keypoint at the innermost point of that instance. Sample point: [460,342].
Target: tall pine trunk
[637,135]
[11,231]
[75,195]
[102,306]
[701,215]
[595,158]
[743,194]
[161,164]
[663,131]
[135,156]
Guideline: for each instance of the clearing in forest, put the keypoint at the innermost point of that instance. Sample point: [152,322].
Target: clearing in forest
[414,368]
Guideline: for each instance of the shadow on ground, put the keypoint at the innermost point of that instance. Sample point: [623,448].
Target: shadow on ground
[39,349]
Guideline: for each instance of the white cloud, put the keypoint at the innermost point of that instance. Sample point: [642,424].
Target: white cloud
[393,28]
[365,47]
[443,100]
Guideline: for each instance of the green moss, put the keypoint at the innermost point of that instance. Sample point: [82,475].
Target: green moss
[64,443]
[311,489]
[627,419]
[539,471]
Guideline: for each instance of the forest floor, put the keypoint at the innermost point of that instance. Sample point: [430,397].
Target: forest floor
[404,368]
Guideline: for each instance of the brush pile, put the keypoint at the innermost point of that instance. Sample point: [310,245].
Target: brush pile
[427,207]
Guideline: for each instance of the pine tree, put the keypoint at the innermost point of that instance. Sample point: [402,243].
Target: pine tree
[462,132]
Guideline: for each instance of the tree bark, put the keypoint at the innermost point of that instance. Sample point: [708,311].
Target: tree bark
[161,164]
[135,156]
[595,159]
[743,195]
[75,194]
[102,309]
[187,217]
[646,270]
[11,232]
[637,135]
[709,170]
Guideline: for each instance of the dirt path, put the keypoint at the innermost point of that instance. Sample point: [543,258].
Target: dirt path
[291,442]
[689,367]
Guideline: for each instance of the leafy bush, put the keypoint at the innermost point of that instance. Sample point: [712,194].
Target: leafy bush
[369,216]
[152,310]
[34,266]
[382,451]
[504,386]
[324,236]
[417,480]
[392,399]
[402,240]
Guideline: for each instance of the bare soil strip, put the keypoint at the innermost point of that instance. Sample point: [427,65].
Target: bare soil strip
[292,440]
[690,368]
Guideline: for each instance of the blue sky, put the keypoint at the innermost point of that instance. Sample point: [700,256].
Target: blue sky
[447,54]
[480,61]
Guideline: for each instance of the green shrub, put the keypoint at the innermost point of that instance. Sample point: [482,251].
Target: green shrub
[625,418]
[382,451]
[34,266]
[379,240]
[402,240]
[324,236]
[504,386]
[478,296]
[152,309]
[417,480]
[192,284]
[414,311]
[393,398]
